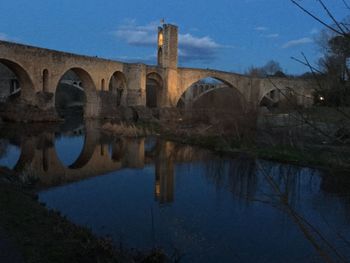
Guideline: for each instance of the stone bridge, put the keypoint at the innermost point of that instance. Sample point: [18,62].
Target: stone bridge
[39,71]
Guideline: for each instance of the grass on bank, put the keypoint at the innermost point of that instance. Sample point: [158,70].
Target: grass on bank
[312,157]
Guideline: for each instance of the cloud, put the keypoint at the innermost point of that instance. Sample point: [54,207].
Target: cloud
[297,42]
[4,37]
[150,59]
[260,28]
[137,35]
[191,47]
[275,35]
[314,31]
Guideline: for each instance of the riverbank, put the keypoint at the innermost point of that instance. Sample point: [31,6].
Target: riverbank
[319,158]
[43,235]
[317,137]
[331,157]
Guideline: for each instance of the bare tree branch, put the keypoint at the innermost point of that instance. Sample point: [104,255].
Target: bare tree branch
[346,4]
[305,64]
[331,16]
[318,19]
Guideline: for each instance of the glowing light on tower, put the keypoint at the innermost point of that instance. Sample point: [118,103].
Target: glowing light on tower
[160,39]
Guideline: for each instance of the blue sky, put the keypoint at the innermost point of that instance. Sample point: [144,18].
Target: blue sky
[229,35]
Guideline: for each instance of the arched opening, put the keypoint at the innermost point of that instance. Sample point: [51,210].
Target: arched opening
[75,94]
[212,94]
[117,88]
[213,106]
[14,82]
[154,88]
[103,85]
[160,56]
[278,100]
[45,80]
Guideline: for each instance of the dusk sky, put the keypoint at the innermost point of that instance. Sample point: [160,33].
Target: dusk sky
[229,35]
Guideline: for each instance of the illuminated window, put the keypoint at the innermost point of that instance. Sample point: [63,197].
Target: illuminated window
[160,39]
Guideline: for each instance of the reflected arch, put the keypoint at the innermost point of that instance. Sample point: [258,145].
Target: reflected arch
[69,148]
[86,145]
[154,90]
[118,88]
[9,154]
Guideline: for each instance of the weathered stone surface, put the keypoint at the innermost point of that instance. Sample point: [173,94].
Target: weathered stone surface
[168,114]
[27,113]
[127,113]
[143,114]
[44,99]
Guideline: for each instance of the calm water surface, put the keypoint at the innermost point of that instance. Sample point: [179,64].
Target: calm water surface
[147,193]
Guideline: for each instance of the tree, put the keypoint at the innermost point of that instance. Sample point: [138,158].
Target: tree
[334,40]
[271,68]
[335,82]
[255,72]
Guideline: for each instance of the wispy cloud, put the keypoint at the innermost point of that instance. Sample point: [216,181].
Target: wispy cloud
[190,47]
[4,37]
[260,28]
[297,42]
[150,59]
[275,35]
[193,48]
[137,35]
[314,31]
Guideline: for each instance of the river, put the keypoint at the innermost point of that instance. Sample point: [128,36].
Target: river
[149,193]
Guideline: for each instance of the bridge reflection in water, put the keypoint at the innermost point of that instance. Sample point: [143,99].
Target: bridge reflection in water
[101,154]
[208,207]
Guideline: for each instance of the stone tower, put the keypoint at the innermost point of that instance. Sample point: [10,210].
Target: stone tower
[167,46]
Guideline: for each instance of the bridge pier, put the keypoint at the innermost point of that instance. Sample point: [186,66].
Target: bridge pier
[170,94]
[136,85]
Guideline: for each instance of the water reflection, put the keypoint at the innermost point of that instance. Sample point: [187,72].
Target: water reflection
[9,154]
[155,192]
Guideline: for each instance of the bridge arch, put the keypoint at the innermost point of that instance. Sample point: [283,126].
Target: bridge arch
[86,80]
[273,96]
[25,82]
[222,83]
[154,90]
[118,88]
[84,83]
